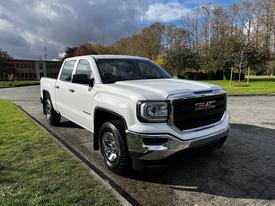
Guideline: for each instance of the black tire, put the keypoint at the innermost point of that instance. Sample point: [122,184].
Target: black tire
[114,130]
[53,118]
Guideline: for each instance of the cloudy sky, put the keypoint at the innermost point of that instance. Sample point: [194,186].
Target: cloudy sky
[27,26]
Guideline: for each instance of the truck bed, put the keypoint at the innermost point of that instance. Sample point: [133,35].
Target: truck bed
[48,84]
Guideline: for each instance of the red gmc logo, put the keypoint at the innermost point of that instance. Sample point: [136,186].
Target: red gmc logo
[205,105]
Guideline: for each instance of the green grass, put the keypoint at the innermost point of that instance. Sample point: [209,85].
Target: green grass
[35,170]
[254,87]
[7,84]
[262,77]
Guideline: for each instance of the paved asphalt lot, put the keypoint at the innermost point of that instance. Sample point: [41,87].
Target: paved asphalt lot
[241,173]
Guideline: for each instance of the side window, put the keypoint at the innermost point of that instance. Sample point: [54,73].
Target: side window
[84,67]
[67,70]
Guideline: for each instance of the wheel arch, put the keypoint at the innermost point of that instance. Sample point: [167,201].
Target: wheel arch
[102,115]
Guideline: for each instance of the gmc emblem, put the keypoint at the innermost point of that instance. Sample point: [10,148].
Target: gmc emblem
[205,105]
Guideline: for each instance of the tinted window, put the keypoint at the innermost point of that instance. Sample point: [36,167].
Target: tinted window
[67,70]
[84,67]
[148,71]
[112,70]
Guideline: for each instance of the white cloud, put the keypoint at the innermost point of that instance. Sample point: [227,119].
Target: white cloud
[45,11]
[165,12]
[53,10]
[61,55]
[5,25]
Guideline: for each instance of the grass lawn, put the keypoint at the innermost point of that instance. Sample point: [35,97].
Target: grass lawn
[35,170]
[261,77]
[7,84]
[255,87]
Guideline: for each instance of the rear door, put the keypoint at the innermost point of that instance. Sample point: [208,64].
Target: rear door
[82,98]
[62,90]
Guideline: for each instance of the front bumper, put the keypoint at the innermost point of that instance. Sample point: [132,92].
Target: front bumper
[145,147]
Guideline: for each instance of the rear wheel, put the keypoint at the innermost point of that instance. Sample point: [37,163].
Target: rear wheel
[113,147]
[53,118]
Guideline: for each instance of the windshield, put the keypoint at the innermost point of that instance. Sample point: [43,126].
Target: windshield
[112,70]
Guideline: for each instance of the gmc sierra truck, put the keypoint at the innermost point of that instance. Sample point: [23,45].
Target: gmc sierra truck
[139,116]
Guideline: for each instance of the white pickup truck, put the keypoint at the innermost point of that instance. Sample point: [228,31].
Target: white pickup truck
[138,114]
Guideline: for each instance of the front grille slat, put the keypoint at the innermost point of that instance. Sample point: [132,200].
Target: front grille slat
[199,114]
[185,117]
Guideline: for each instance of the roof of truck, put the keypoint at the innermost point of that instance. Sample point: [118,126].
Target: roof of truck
[110,57]
[116,57]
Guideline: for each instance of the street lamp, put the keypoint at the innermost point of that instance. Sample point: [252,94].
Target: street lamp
[209,25]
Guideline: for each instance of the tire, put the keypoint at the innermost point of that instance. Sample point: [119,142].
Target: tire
[53,118]
[113,147]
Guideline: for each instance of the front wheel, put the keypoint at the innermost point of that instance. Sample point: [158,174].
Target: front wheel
[53,118]
[113,147]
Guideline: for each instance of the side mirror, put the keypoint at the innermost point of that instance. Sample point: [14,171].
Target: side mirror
[91,82]
[83,79]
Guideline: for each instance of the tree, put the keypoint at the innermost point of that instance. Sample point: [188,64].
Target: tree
[85,49]
[178,60]
[69,52]
[176,38]
[151,40]
[6,66]
[4,56]
[147,43]
[160,60]
[246,13]
[222,55]
[100,49]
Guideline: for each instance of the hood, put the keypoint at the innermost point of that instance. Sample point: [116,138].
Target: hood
[161,88]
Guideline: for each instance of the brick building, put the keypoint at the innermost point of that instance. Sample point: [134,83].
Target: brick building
[26,69]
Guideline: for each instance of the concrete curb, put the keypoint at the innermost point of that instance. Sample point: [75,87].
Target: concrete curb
[121,195]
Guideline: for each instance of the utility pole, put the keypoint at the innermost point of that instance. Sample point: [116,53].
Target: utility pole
[209,25]
[45,53]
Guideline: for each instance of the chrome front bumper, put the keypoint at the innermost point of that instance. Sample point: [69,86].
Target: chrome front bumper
[173,145]
[157,146]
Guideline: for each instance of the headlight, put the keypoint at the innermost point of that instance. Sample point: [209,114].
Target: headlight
[152,111]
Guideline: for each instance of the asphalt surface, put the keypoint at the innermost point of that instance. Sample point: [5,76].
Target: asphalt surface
[240,173]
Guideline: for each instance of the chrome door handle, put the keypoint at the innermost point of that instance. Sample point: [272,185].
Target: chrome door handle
[71,90]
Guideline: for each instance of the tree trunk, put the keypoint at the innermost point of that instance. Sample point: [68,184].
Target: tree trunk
[248,73]
[240,66]
[231,75]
